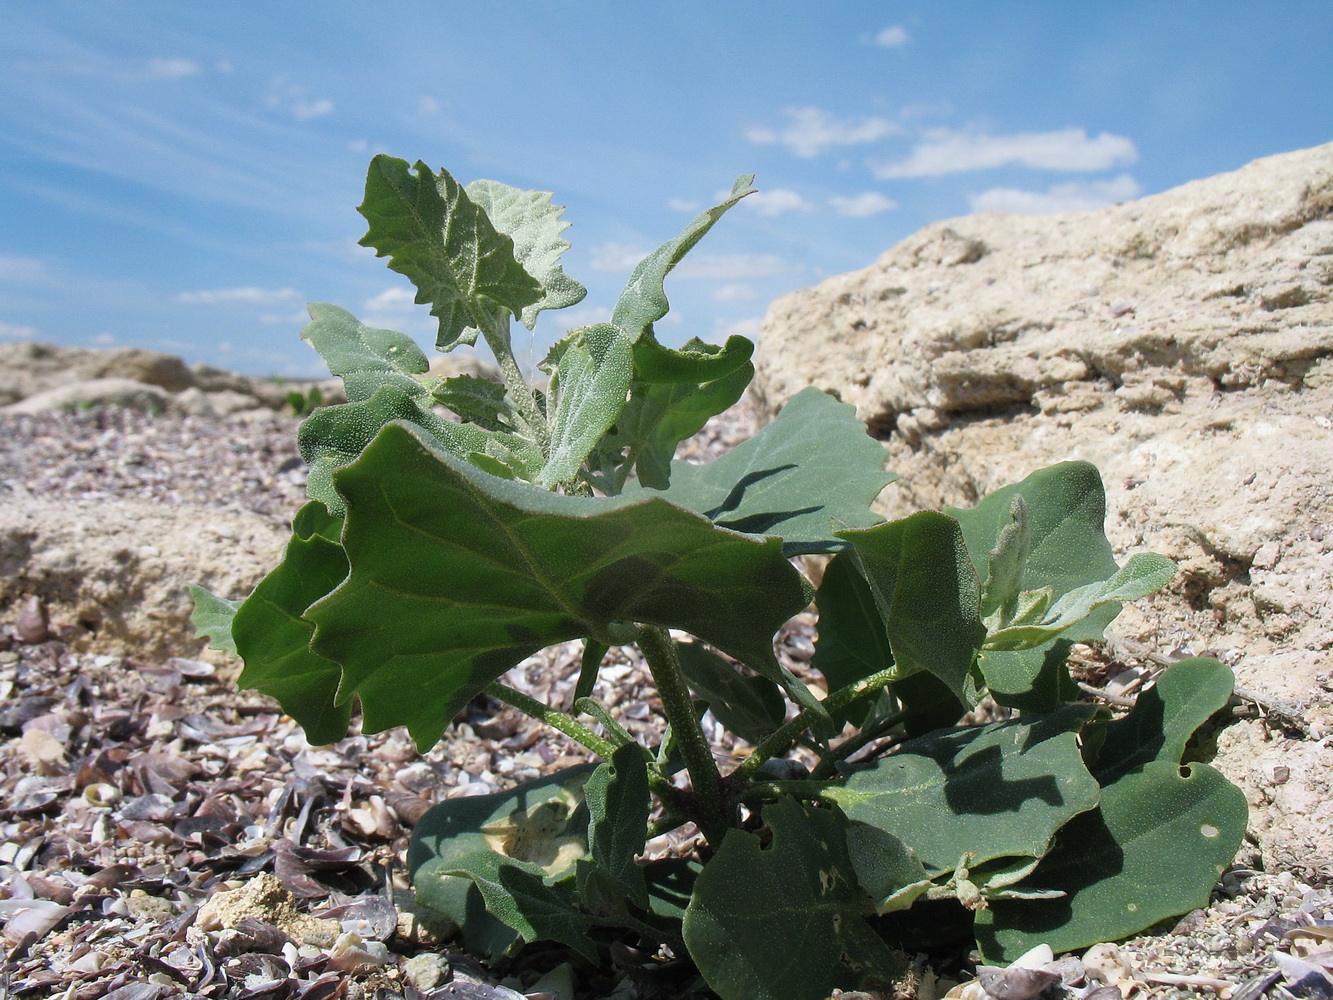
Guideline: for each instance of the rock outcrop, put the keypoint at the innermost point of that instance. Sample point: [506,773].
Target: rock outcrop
[1183,343]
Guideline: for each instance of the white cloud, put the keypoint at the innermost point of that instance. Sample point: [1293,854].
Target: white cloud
[863,205]
[738,328]
[584,314]
[617,257]
[773,203]
[171,68]
[246,296]
[1071,197]
[11,331]
[732,267]
[428,105]
[735,293]
[811,131]
[947,151]
[104,339]
[294,99]
[895,36]
[22,270]
[685,205]
[394,298]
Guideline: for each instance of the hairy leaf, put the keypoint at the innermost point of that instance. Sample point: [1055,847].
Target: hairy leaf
[927,594]
[995,791]
[533,223]
[618,803]
[696,362]
[777,482]
[591,385]
[644,302]
[273,637]
[438,237]
[785,922]
[363,357]
[457,575]
[212,617]
[476,401]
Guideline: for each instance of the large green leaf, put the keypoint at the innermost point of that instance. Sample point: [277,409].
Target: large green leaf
[995,791]
[456,575]
[273,637]
[927,595]
[644,302]
[618,805]
[810,472]
[1042,536]
[438,237]
[363,357]
[785,922]
[529,218]
[1158,841]
[591,385]
[505,849]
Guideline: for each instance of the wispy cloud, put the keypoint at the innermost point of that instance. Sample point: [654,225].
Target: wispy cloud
[738,328]
[895,36]
[1071,197]
[810,131]
[294,99]
[736,292]
[776,202]
[22,270]
[171,68]
[862,205]
[733,267]
[11,331]
[246,296]
[685,205]
[617,257]
[947,151]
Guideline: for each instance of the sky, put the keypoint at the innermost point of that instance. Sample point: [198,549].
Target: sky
[183,176]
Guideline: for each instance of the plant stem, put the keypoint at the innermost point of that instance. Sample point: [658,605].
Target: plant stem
[576,731]
[783,737]
[767,790]
[826,767]
[497,338]
[660,652]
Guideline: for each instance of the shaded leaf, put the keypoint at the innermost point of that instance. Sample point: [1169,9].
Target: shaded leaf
[995,791]
[926,592]
[852,641]
[618,804]
[784,922]
[777,483]
[457,576]
[750,707]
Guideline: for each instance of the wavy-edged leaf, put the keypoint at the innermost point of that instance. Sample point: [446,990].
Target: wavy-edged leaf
[785,922]
[433,233]
[927,595]
[591,385]
[813,470]
[644,302]
[1157,842]
[457,575]
[618,806]
[273,637]
[363,357]
[476,401]
[694,362]
[995,791]
[335,436]
[533,223]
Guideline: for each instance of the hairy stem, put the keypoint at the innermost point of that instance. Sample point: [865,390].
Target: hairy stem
[555,719]
[520,393]
[764,791]
[781,739]
[660,652]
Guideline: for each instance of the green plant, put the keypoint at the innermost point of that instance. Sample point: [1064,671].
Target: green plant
[305,403]
[434,555]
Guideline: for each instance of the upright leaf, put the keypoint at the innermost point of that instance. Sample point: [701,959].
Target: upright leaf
[644,302]
[592,380]
[457,575]
[618,805]
[533,223]
[777,482]
[438,237]
[273,636]
[927,594]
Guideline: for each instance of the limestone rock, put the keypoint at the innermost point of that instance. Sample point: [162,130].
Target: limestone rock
[126,392]
[118,572]
[1182,343]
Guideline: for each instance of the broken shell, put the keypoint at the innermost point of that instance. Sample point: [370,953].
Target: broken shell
[351,951]
[102,795]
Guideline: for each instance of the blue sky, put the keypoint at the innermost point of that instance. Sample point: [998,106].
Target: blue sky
[183,176]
